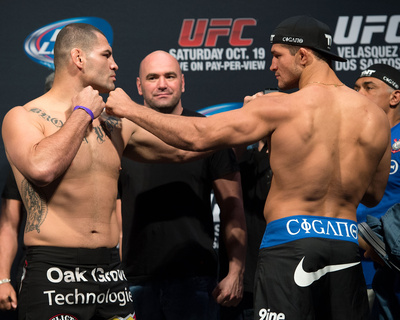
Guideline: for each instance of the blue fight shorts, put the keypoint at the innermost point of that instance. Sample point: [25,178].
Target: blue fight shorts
[309,268]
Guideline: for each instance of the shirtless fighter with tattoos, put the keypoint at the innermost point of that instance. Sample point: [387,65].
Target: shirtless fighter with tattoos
[65,153]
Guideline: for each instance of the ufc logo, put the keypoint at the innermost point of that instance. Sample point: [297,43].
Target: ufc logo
[207,31]
[382,24]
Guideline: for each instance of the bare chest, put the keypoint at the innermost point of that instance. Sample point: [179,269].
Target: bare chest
[100,149]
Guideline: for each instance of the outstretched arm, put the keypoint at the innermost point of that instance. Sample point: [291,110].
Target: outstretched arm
[140,144]
[143,146]
[246,125]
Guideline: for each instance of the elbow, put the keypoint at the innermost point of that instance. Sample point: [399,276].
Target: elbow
[374,194]
[369,204]
[196,146]
[201,138]
[40,182]
[371,201]
[41,176]
[200,143]
[195,138]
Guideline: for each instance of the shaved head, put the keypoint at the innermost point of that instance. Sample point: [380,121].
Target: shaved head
[74,35]
[161,82]
[158,56]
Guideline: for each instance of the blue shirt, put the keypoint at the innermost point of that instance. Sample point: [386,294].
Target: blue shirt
[390,197]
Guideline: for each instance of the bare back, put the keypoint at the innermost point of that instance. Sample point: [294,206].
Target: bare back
[78,208]
[326,152]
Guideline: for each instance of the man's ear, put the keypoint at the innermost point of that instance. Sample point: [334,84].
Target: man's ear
[183,83]
[77,57]
[304,55]
[394,98]
[139,86]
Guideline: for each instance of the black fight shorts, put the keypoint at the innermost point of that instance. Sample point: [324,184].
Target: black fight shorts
[309,268]
[73,284]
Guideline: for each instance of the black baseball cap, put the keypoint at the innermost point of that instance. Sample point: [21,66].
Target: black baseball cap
[305,31]
[384,72]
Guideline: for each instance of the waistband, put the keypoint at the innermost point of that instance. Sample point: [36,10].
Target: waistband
[304,226]
[82,256]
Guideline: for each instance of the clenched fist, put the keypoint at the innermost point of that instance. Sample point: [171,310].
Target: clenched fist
[118,103]
[90,99]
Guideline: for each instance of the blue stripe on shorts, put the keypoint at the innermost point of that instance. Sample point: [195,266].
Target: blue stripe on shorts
[306,226]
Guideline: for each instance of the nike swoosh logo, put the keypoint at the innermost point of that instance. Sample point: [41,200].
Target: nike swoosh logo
[303,278]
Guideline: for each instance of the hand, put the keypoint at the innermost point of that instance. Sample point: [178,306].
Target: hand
[250,98]
[229,292]
[117,103]
[90,99]
[370,253]
[8,297]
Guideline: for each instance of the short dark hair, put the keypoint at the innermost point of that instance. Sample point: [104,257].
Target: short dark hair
[74,35]
[293,50]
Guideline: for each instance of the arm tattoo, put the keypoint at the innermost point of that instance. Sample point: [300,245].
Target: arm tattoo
[36,207]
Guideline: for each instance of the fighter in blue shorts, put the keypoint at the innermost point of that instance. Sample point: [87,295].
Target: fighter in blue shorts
[329,151]
[303,257]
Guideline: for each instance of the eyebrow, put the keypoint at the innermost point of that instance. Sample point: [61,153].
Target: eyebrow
[368,83]
[151,75]
[276,52]
[168,73]
[107,51]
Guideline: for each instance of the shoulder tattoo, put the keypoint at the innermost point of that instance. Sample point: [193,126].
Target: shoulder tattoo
[36,206]
[56,122]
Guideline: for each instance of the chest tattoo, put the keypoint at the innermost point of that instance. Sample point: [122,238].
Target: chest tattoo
[105,129]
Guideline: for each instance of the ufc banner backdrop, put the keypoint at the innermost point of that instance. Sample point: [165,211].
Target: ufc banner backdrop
[222,46]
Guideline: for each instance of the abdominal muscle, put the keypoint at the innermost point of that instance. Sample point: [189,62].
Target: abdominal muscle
[79,214]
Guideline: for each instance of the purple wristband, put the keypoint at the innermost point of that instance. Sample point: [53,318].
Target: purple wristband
[89,112]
